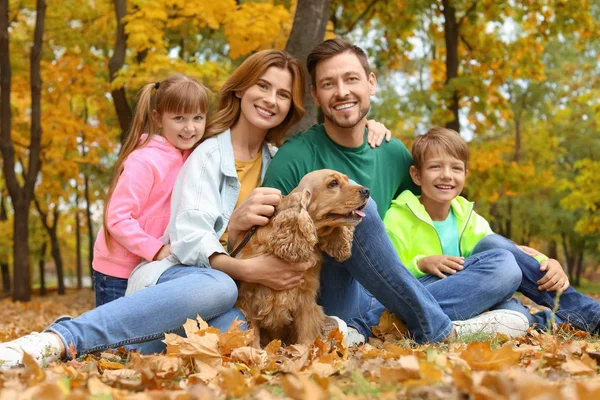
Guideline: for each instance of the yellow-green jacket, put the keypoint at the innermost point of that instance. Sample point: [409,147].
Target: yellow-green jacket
[414,237]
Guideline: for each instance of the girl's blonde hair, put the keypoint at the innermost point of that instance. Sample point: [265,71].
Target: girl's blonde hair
[178,94]
[244,77]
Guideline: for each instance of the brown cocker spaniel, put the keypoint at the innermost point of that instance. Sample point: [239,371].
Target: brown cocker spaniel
[319,215]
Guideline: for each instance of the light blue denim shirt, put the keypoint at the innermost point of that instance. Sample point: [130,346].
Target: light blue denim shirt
[203,199]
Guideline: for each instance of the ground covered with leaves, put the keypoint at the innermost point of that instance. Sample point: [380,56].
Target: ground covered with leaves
[210,364]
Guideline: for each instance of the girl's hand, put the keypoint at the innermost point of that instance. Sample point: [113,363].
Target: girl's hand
[258,207]
[555,279]
[376,132]
[276,273]
[164,252]
[440,265]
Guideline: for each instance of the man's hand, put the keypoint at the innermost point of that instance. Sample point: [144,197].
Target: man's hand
[376,132]
[276,273]
[440,265]
[555,278]
[255,210]
[164,252]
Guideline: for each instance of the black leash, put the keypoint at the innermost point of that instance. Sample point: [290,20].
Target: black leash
[244,242]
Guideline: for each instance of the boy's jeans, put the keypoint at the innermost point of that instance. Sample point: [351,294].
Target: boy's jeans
[487,279]
[108,288]
[182,292]
[573,307]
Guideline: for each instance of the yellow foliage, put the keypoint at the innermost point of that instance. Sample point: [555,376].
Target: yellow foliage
[256,26]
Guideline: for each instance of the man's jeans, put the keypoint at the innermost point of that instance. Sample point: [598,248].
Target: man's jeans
[376,267]
[108,288]
[573,307]
[143,318]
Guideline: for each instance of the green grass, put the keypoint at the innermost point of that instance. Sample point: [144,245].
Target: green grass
[588,287]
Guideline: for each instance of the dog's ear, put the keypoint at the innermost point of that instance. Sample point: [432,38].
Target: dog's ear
[338,242]
[292,235]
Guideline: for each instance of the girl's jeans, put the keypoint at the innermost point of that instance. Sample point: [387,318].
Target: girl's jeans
[108,288]
[143,318]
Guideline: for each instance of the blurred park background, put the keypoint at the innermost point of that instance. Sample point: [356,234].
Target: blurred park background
[519,79]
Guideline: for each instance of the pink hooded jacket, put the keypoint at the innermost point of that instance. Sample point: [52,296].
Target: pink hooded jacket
[139,209]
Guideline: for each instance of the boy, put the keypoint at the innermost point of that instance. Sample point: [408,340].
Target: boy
[437,235]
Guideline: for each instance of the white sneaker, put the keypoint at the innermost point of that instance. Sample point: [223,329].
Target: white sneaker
[43,347]
[510,323]
[353,337]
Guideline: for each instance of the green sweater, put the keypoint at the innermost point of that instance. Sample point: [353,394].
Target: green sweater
[384,170]
[414,237]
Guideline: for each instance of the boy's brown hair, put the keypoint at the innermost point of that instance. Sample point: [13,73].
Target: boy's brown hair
[440,139]
[333,47]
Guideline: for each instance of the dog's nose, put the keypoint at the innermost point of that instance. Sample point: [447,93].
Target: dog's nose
[364,192]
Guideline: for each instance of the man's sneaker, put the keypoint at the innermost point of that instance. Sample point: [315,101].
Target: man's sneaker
[510,323]
[43,347]
[353,337]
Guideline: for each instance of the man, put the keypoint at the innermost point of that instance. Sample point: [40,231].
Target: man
[342,84]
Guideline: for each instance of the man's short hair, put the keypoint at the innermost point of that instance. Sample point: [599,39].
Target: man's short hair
[333,47]
[440,140]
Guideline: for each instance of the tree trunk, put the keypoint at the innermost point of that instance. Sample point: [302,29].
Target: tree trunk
[41,266]
[451,30]
[115,64]
[88,214]
[580,264]
[310,22]
[4,266]
[52,230]
[553,250]
[568,265]
[21,274]
[78,240]
[57,256]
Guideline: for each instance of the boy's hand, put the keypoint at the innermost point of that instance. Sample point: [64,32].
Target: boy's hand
[555,278]
[164,252]
[440,265]
[376,132]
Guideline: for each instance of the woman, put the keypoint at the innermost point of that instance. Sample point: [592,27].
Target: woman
[217,189]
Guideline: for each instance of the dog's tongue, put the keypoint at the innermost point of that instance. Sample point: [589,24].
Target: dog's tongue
[359,213]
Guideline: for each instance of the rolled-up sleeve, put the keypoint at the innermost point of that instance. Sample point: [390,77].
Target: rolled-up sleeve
[197,209]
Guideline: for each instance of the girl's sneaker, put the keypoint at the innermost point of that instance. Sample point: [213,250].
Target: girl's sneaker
[43,347]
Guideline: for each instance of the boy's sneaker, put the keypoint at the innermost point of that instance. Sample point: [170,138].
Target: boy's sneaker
[43,347]
[353,337]
[510,323]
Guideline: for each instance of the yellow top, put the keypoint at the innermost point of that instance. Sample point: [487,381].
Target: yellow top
[248,173]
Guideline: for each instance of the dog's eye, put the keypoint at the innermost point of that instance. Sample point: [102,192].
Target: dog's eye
[332,184]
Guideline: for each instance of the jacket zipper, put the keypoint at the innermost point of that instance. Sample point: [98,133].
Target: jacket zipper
[463,230]
[436,232]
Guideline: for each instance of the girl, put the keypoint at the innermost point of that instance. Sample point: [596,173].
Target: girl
[169,120]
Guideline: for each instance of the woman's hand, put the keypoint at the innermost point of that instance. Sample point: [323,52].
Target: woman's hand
[276,273]
[440,265]
[164,252]
[376,133]
[255,210]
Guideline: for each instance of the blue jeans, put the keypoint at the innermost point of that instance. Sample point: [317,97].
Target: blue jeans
[487,279]
[376,267]
[143,318]
[108,288]
[573,307]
